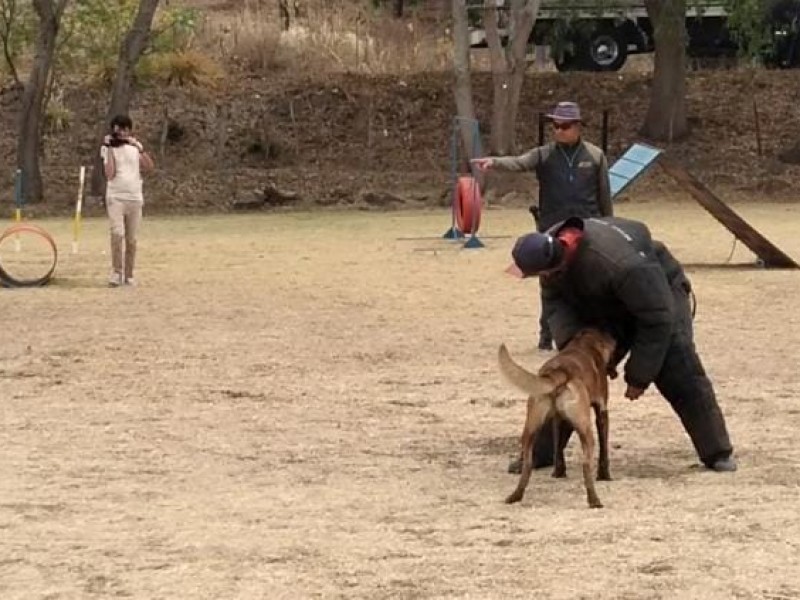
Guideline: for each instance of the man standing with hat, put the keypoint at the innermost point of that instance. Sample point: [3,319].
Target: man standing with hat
[573,180]
[610,273]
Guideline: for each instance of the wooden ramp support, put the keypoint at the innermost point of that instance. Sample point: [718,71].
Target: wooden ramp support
[772,256]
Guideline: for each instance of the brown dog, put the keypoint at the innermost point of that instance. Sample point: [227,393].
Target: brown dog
[566,387]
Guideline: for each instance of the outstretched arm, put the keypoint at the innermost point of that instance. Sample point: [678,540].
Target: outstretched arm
[524,162]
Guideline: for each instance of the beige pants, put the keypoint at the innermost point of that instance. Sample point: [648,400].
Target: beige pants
[125,217]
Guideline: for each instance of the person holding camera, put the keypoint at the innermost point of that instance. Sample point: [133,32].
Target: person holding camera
[124,160]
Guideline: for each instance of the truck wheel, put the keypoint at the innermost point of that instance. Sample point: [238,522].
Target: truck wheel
[605,50]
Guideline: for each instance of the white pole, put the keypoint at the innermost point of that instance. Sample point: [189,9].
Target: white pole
[18,206]
[76,227]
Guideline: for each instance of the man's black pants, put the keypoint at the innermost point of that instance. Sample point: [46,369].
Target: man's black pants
[544,327]
[685,385]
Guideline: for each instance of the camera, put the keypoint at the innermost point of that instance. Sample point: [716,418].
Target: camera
[115,140]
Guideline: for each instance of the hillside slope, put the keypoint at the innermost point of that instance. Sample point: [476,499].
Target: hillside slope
[328,140]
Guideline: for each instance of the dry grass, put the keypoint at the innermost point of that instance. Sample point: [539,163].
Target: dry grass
[57,115]
[248,36]
[302,406]
[327,37]
[182,68]
[102,73]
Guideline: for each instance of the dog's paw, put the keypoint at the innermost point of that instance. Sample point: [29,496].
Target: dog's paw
[604,476]
[559,473]
[514,497]
[592,498]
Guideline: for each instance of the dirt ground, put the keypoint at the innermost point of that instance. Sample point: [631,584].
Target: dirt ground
[305,406]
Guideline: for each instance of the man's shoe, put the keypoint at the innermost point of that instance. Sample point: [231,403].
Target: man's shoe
[115,279]
[724,465]
[515,466]
[545,342]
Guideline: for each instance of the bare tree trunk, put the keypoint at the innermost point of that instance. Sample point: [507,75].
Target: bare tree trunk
[465,108]
[666,118]
[300,10]
[131,50]
[508,70]
[283,11]
[29,144]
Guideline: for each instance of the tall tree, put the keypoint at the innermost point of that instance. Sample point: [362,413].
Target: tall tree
[666,118]
[508,67]
[130,52]
[465,108]
[285,15]
[29,144]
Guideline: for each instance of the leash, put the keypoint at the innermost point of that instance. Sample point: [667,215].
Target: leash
[694,303]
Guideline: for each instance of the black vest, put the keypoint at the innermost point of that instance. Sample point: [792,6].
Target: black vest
[568,183]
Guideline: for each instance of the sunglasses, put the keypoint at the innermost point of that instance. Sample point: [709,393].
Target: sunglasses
[563,126]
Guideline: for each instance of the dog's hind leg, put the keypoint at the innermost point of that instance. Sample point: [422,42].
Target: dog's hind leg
[538,410]
[587,442]
[561,432]
[580,414]
[601,419]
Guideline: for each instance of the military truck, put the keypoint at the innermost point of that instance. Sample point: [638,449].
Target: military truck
[600,35]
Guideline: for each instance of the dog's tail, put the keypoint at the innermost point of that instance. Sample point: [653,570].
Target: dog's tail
[523,379]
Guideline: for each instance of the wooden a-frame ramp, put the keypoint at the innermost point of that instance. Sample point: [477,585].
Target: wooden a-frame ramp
[639,157]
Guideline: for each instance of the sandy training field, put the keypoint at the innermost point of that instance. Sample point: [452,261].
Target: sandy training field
[304,406]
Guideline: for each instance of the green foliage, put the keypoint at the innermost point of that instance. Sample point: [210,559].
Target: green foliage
[174,30]
[17,28]
[93,30]
[748,25]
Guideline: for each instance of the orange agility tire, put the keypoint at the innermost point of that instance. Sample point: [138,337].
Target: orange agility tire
[7,279]
[468,205]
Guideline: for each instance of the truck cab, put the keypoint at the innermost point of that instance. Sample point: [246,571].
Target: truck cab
[599,36]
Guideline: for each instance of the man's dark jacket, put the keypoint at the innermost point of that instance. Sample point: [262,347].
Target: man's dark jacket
[623,280]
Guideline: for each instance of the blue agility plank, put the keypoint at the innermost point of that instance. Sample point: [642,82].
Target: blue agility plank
[636,160]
